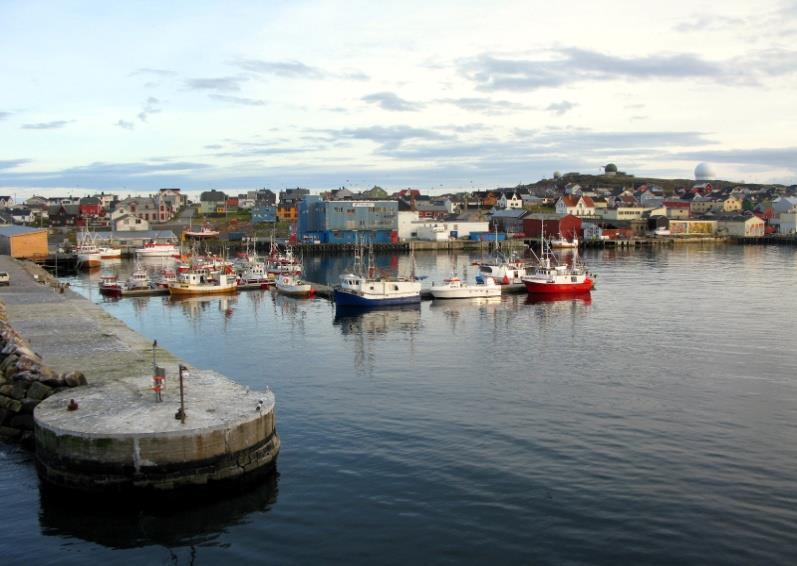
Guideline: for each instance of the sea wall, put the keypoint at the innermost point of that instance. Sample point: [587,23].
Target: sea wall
[25,381]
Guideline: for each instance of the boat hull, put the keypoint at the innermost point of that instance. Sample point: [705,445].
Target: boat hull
[558,288]
[470,292]
[348,299]
[302,291]
[195,290]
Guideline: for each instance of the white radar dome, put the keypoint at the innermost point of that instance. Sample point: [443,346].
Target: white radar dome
[705,172]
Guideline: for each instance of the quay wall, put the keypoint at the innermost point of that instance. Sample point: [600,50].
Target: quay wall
[112,435]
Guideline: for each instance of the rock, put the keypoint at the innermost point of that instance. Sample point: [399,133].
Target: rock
[28,405]
[19,390]
[6,390]
[22,422]
[74,378]
[10,361]
[24,376]
[9,348]
[3,414]
[47,373]
[10,404]
[26,352]
[39,391]
[26,363]
[9,433]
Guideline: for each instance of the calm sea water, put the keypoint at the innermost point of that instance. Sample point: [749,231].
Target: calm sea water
[654,423]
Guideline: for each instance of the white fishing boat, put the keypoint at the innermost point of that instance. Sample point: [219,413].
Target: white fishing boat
[503,270]
[157,249]
[563,243]
[253,275]
[553,277]
[456,288]
[360,288]
[292,286]
[110,253]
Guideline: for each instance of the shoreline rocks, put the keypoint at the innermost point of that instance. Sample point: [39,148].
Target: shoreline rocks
[25,381]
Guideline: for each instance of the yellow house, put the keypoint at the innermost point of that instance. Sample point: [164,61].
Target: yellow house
[732,204]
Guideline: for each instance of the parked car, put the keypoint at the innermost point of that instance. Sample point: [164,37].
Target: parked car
[4,278]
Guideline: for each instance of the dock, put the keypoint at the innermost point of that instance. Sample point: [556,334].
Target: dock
[120,439]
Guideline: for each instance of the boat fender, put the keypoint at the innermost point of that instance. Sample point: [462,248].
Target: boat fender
[506,280]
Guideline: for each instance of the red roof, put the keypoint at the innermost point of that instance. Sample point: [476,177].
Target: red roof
[571,201]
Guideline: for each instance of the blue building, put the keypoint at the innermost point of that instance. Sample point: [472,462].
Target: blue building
[342,222]
[264,213]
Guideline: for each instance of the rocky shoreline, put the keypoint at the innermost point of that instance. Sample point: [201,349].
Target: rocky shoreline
[25,381]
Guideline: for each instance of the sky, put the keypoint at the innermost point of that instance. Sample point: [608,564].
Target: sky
[440,96]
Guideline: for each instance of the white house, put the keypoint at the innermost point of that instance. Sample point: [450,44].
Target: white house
[624,213]
[129,223]
[575,205]
[509,203]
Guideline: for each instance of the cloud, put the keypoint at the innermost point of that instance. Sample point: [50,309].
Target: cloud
[392,102]
[46,125]
[708,22]
[214,146]
[237,100]
[125,124]
[288,69]
[387,136]
[560,108]
[785,157]
[4,115]
[225,84]
[11,163]
[568,65]
[150,107]
[485,105]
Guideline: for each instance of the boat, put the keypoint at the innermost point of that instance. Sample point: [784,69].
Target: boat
[110,253]
[282,263]
[203,233]
[138,284]
[551,276]
[365,289]
[88,256]
[157,249]
[253,275]
[563,243]
[292,286]
[456,288]
[202,282]
[503,270]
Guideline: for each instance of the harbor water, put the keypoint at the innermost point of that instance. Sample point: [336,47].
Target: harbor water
[652,422]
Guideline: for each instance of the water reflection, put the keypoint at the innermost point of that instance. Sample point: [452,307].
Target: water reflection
[454,309]
[200,522]
[363,328]
[535,299]
[194,307]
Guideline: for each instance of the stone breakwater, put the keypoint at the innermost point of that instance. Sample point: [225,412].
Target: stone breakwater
[25,381]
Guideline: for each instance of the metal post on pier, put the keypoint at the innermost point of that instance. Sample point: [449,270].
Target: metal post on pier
[181,412]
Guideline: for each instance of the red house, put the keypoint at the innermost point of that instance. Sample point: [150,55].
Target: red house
[91,207]
[568,226]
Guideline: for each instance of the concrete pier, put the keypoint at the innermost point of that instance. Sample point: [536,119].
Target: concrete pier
[119,438]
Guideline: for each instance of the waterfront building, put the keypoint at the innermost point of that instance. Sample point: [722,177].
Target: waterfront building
[339,222]
[136,238]
[509,221]
[745,226]
[787,222]
[23,241]
[693,227]
[145,208]
[569,226]
[732,204]
[406,221]
[451,228]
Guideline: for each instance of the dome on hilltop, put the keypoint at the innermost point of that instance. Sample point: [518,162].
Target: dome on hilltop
[610,168]
[705,172]
[557,175]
